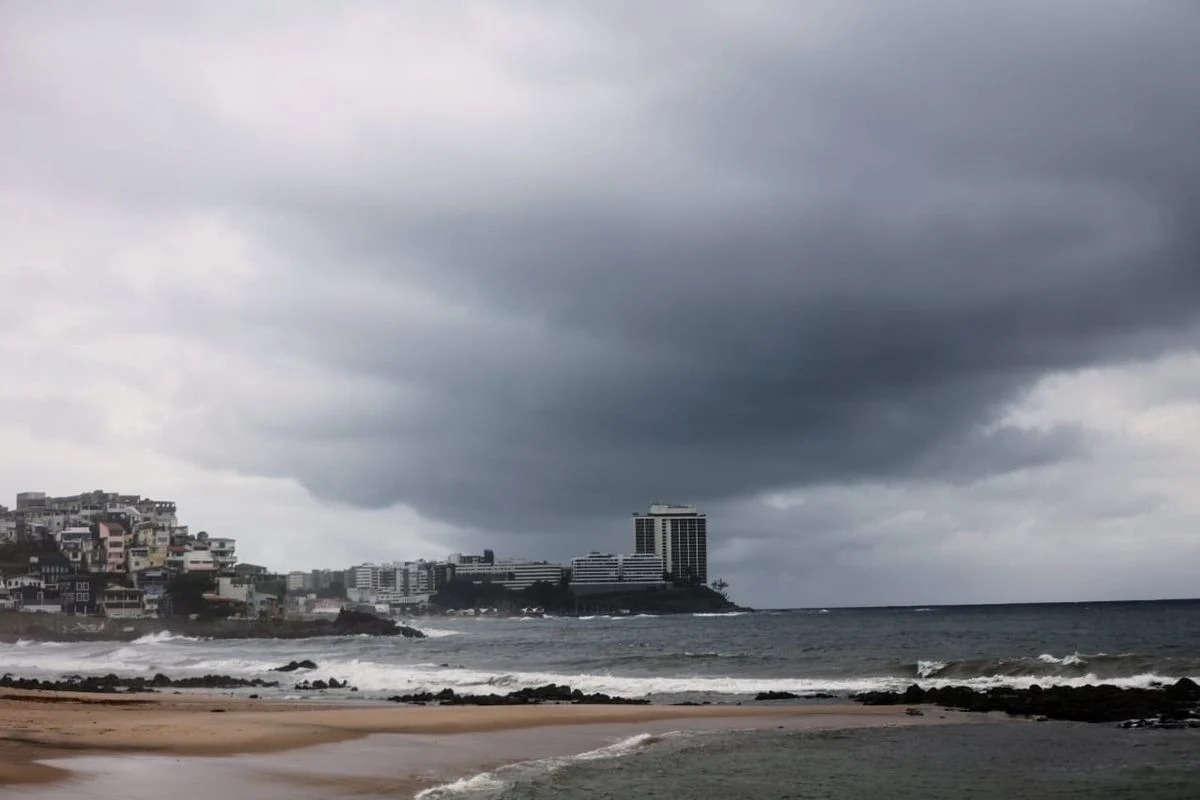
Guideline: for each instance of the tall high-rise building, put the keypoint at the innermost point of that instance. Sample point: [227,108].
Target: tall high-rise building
[679,536]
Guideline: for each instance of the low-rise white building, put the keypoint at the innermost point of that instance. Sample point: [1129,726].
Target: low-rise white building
[121,601]
[595,568]
[511,574]
[17,582]
[605,572]
[198,561]
[224,553]
[641,568]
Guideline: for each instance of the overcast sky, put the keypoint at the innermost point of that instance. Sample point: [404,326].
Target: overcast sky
[905,296]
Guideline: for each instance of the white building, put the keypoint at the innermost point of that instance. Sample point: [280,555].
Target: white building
[364,577]
[18,582]
[198,561]
[223,552]
[641,568]
[679,536]
[233,591]
[596,569]
[511,573]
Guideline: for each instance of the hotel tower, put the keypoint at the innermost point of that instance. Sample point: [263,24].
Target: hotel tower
[678,535]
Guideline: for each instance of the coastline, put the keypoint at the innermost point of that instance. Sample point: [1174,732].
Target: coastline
[41,726]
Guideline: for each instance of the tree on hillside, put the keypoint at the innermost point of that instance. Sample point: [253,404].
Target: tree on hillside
[550,596]
[187,591]
[462,593]
[721,587]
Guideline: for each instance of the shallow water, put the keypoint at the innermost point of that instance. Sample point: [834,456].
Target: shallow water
[427,766]
[984,762]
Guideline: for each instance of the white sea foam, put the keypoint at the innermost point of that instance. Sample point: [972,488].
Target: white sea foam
[463,787]
[439,633]
[721,614]
[1073,660]
[376,673]
[491,782]
[928,668]
[161,637]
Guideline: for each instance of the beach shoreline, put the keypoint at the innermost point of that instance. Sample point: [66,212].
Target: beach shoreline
[38,727]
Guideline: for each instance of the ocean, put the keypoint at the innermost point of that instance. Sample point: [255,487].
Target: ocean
[728,659]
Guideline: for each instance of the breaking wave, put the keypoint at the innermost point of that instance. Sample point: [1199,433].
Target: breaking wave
[1047,667]
[163,636]
[489,783]
[439,633]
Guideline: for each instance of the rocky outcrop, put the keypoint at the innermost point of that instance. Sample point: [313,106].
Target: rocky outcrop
[1178,702]
[15,625]
[550,693]
[110,684]
[332,683]
[353,623]
[793,696]
[292,666]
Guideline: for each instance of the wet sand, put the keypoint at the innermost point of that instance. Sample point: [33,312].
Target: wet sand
[49,736]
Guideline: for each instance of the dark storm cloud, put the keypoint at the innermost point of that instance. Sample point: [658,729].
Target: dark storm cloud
[731,249]
[849,260]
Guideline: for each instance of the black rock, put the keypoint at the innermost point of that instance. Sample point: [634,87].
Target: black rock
[109,684]
[358,622]
[776,696]
[1179,702]
[292,666]
[550,693]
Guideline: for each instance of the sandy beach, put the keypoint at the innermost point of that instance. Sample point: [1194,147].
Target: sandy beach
[40,727]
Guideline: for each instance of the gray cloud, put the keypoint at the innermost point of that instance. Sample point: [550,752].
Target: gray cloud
[528,270]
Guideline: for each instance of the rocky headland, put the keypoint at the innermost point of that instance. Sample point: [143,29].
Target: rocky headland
[62,628]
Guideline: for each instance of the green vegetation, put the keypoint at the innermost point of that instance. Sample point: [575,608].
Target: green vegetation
[186,593]
[692,599]
[558,599]
[459,593]
[14,556]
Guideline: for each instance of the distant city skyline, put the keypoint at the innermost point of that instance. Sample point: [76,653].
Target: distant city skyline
[114,554]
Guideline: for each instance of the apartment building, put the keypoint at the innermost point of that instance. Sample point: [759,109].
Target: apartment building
[679,536]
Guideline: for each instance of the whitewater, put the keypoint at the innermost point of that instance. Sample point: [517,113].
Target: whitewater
[716,658]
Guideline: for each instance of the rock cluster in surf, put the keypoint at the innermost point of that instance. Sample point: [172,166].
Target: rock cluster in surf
[110,684]
[1176,705]
[550,693]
